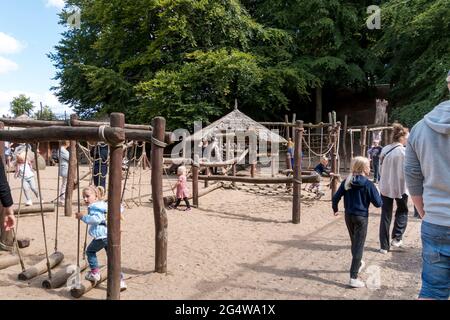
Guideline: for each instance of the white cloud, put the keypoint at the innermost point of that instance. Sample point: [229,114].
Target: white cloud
[9,44]
[47,98]
[7,65]
[55,3]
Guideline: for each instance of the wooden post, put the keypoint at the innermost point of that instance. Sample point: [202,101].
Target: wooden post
[252,170]
[114,199]
[363,141]
[195,167]
[72,173]
[351,145]
[294,116]
[6,237]
[208,173]
[297,173]
[344,141]
[161,223]
[334,162]
[286,119]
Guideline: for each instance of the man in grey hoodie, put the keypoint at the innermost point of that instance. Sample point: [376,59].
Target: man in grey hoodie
[427,175]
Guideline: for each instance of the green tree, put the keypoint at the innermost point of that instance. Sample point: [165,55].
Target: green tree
[160,57]
[45,114]
[21,105]
[415,49]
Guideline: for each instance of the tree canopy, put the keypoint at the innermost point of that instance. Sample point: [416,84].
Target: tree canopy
[21,105]
[188,60]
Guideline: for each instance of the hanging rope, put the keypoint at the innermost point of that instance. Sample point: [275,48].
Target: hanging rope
[316,154]
[49,270]
[58,196]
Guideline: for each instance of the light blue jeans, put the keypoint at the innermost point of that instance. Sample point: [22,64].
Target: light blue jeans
[29,184]
[436,261]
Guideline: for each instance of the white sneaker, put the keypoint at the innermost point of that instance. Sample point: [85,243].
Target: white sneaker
[123,285]
[95,277]
[382,251]
[29,203]
[356,283]
[397,243]
[363,264]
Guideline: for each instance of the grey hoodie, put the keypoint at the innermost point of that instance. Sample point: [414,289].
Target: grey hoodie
[427,164]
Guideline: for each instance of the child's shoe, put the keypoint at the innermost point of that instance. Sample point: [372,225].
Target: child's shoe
[397,243]
[123,285]
[188,209]
[29,203]
[356,283]
[93,276]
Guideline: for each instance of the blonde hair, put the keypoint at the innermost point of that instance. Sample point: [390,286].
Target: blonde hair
[181,170]
[98,191]
[358,166]
[323,158]
[20,157]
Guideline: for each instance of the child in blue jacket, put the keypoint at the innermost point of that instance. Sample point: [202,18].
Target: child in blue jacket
[358,193]
[96,219]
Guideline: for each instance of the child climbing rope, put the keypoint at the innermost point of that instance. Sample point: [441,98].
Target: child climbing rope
[358,192]
[24,171]
[96,218]
[182,191]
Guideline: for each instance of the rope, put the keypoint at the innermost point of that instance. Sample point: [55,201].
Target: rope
[49,270]
[79,209]
[57,196]
[101,133]
[318,155]
[158,143]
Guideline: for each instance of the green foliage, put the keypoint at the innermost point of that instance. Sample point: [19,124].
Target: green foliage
[21,105]
[45,114]
[415,48]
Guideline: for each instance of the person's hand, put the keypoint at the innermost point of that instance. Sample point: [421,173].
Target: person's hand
[79,215]
[9,220]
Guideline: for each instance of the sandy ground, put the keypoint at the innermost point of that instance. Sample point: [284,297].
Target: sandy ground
[237,245]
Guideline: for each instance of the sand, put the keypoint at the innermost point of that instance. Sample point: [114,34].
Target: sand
[236,245]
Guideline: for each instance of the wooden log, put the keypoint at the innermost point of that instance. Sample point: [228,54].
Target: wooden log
[114,201]
[60,278]
[112,135]
[71,177]
[86,285]
[171,199]
[252,170]
[218,164]
[363,141]
[141,135]
[8,260]
[266,180]
[296,198]
[177,161]
[344,141]
[160,215]
[41,267]
[195,181]
[46,207]
[305,125]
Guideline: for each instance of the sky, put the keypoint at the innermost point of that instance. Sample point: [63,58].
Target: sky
[29,30]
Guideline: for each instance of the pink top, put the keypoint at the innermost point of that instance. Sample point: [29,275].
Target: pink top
[182,191]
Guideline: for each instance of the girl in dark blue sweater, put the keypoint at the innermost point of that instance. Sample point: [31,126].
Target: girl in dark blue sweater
[358,193]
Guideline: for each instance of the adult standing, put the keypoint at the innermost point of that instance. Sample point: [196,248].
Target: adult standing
[392,187]
[427,177]
[9,220]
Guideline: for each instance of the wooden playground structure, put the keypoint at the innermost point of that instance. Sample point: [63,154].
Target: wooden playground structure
[313,140]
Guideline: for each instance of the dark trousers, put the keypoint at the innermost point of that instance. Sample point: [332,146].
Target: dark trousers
[400,221]
[357,229]
[376,170]
[179,201]
[99,174]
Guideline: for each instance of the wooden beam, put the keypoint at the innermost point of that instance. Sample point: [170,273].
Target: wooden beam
[171,199]
[46,207]
[160,215]
[86,285]
[8,260]
[41,267]
[114,202]
[297,178]
[268,180]
[60,278]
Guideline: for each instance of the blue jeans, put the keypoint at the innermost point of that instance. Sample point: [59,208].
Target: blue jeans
[92,249]
[376,170]
[436,261]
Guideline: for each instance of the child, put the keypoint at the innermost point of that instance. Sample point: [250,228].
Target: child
[374,155]
[96,218]
[63,169]
[322,170]
[290,150]
[358,192]
[182,191]
[24,171]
